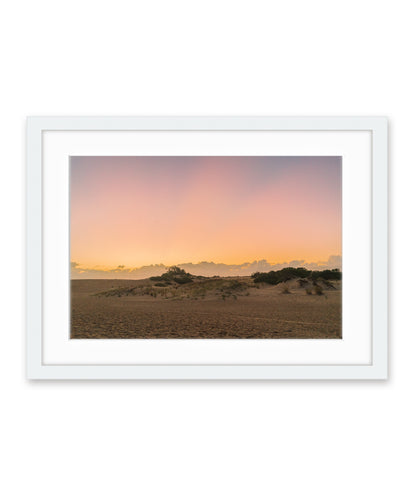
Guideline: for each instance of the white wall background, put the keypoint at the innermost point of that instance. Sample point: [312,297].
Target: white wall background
[186,440]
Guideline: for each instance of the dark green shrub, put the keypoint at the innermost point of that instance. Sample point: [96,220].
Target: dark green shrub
[182,279]
[283,275]
[175,274]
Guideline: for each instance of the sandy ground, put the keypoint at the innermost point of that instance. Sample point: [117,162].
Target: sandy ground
[257,312]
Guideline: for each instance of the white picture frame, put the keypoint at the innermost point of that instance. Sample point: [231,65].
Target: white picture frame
[39,205]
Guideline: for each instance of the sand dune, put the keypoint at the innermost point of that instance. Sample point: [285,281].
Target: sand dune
[205,308]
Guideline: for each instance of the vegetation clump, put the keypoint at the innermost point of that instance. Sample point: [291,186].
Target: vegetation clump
[277,276]
[175,274]
[177,284]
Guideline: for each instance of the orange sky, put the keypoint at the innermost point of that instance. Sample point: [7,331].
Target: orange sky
[138,211]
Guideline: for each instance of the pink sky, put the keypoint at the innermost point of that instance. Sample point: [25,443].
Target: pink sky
[136,211]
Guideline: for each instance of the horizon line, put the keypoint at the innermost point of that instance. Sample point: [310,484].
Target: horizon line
[207,268]
[209,262]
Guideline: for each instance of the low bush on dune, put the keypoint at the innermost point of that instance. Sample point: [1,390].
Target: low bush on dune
[277,276]
[182,279]
[174,274]
[329,275]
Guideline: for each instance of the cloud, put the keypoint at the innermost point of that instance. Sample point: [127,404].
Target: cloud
[208,269]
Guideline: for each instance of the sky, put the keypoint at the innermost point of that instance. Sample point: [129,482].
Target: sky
[139,211]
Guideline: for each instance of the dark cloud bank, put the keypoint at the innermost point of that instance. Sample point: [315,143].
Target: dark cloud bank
[208,269]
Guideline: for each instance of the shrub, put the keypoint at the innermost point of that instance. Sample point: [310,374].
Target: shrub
[283,275]
[175,274]
[182,279]
[334,275]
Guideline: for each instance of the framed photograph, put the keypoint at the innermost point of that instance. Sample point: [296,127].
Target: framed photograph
[207,248]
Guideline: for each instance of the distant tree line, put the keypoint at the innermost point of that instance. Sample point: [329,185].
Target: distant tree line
[283,275]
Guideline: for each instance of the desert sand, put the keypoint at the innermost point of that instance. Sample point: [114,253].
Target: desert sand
[205,308]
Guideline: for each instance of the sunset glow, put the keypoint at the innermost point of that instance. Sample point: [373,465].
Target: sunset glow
[137,211]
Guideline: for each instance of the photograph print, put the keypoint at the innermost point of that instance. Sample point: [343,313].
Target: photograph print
[206,247]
